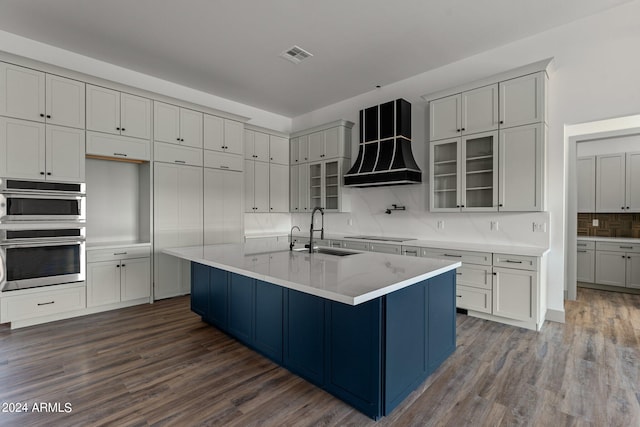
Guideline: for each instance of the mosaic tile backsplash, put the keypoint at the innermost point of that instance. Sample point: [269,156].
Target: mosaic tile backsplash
[609,225]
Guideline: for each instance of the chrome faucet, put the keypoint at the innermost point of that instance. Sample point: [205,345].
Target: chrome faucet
[291,241]
[311,230]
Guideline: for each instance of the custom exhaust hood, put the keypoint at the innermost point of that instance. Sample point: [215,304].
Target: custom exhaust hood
[384,153]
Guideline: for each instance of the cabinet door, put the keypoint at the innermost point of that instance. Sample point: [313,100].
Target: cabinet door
[262,186]
[316,199]
[249,186]
[514,293]
[249,144]
[586,180]
[611,268]
[200,289]
[218,297]
[278,150]
[633,271]
[190,128]
[445,119]
[241,307]
[118,146]
[213,133]
[65,102]
[190,194]
[268,319]
[222,206]
[332,143]
[585,269]
[21,92]
[316,146]
[166,122]
[610,183]
[521,168]
[303,148]
[278,188]
[445,174]
[135,116]
[480,110]
[294,189]
[233,218]
[103,110]
[633,182]
[233,133]
[103,283]
[65,154]
[135,278]
[294,150]
[522,100]
[331,185]
[22,149]
[479,180]
[261,147]
[303,188]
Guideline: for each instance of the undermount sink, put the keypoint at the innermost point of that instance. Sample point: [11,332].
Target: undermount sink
[328,251]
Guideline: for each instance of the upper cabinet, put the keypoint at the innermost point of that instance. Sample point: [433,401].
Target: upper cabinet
[472,166]
[177,125]
[223,135]
[256,146]
[617,177]
[278,150]
[328,144]
[299,150]
[465,113]
[33,95]
[118,113]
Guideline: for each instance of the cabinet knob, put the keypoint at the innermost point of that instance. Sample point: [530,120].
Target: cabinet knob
[41,173]
[501,122]
[457,130]
[48,173]
[118,266]
[623,256]
[494,273]
[182,139]
[41,115]
[462,206]
[463,129]
[457,206]
[500,205]
[622,207]
[177,139]
[270,158]
[117,128]
[123,129]
[48,116]
[627,207]
[123,265]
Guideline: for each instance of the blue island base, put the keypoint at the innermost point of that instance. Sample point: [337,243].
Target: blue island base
[371,355]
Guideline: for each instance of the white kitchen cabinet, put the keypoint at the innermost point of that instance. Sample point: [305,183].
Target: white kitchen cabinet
[325,187]
[618,264]
[223,135]
[171,153]
[633,270]
[610,183]
[278,188]
[220,160]
[294,189]
[303,189]
[585,265]
[523,100]
[515,293]
[41,152]
[586,178]
[256,186]
[178,222]
[632,184]
[33,95]
[278,150]
[299,149]
[103,283]
[521,168]
[328,144]
[222,206]
[466,113]
[256,145]
[464,173]
[118,147]
[177,125]
[118,113]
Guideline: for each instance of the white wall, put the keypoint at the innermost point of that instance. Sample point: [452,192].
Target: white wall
[17,45]
[596,77]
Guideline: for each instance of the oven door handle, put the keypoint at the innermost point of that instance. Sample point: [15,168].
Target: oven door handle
[2,267]
[40,244]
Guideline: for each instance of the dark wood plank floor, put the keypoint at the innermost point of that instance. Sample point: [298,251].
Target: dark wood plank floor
[160,365]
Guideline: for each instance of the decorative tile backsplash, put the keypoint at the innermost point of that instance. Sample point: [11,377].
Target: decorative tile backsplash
[609,225]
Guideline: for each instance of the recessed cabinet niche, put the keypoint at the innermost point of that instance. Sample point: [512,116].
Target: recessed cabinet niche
[487,146]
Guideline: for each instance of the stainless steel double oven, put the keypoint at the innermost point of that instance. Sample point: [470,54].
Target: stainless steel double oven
[42,234]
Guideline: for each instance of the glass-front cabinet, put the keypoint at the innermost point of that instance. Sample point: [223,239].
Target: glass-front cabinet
[325,190]
[464,173]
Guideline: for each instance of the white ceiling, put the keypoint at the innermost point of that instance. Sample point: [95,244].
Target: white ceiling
[230,48]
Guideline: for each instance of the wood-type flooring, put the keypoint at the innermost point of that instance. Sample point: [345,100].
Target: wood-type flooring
[161,365]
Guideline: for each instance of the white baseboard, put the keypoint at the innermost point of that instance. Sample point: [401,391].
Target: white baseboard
[555,316]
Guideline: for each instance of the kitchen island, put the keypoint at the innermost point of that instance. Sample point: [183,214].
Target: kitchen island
[366,327]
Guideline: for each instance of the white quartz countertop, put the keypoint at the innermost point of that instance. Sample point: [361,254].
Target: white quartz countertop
[352,279]
[609,239]
[511,249]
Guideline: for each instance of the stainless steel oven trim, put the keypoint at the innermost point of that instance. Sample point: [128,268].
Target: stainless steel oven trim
[5,190]
[41,281]
[37,195]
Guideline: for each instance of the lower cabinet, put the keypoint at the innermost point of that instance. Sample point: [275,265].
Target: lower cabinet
[585,265]
[120,275]
[514,293]
[616,264]
[372,355]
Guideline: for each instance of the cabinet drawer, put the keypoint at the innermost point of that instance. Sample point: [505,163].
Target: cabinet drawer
[217,160]
[586,244]
[482,258]
[387,249]
[97,255]
[42,303]
[519,262]
[410,250]
[476,276]
[473,299]
[100,144]
[359,246]
[617,247]
[171,153]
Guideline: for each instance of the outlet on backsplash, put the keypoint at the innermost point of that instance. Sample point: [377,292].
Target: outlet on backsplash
[495,226]
[440,225]
[350,222]
[539,227]
[595,222]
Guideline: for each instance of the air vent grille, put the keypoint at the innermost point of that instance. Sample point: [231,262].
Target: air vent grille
[296,54]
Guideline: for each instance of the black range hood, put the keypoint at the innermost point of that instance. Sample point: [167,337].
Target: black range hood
[384,153]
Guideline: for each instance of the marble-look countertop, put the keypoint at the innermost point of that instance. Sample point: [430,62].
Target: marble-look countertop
[352,279]
[609,239]
[501,248]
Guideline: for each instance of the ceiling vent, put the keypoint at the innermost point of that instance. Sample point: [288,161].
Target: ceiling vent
[296,54]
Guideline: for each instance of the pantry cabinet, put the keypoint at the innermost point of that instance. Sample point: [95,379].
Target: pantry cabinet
[223,135]
[222,206]
[177,125]
[34,95]
[41,152]
[118,113]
